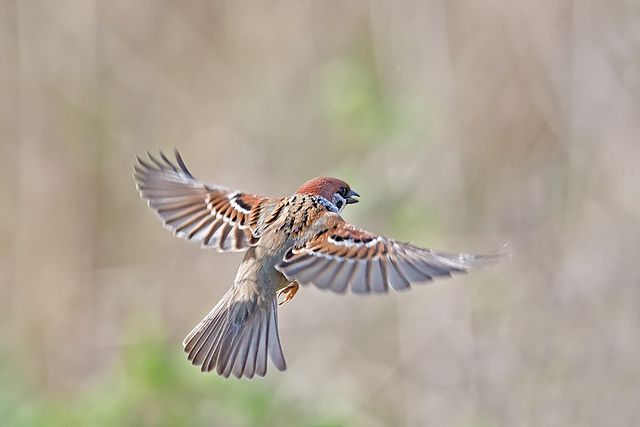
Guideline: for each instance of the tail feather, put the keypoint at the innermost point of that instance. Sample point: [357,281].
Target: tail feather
[275,349]
[237,337]
[240,364]
[261,356]
[250,366]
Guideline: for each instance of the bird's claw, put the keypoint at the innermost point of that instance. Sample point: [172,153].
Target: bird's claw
[288,292]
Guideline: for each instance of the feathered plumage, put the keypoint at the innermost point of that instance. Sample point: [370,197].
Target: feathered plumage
[288,240]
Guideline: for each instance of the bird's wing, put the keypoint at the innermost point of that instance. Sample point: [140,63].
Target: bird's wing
[217,217]
[342,256]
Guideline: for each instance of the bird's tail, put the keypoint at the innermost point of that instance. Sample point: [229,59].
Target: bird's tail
[236,336]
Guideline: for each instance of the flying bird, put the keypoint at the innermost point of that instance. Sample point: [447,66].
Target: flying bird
[288,241]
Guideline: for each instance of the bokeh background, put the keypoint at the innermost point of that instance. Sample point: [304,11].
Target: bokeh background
[463,125]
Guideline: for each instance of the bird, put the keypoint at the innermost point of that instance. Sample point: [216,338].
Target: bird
[299,239]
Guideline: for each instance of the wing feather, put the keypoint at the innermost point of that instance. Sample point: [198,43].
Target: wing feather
[343,277]
[358,281]
[377,276]
[215,216]
[341,256]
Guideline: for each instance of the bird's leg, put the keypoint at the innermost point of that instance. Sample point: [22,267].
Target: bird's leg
[288,292]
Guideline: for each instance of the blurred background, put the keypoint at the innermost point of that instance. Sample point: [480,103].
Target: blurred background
[463,125]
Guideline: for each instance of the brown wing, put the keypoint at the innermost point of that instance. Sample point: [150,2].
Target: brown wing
[217,217]
[343,256]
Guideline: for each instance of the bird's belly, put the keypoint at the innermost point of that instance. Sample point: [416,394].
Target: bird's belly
[258,271]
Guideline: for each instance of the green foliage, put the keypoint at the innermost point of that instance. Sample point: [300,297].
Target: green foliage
[153,385]
[404,216]
[362,111]
[353,100]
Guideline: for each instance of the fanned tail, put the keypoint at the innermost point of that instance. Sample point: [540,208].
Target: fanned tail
[236,336]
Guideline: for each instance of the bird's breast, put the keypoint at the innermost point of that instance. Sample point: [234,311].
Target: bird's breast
[293,225]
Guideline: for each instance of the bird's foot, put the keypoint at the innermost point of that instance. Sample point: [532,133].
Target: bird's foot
[287,293]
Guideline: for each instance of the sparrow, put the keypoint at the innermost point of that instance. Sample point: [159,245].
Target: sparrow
[288,241]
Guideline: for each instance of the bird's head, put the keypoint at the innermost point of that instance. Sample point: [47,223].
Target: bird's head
[334,190]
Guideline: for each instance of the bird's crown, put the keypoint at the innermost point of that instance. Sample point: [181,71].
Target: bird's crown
[324,186]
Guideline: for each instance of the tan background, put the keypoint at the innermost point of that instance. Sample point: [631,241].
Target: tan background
[463,125]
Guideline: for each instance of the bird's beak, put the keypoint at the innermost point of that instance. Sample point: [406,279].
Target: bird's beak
[351,197]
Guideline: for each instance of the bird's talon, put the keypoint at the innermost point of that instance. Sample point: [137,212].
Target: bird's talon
[288,293]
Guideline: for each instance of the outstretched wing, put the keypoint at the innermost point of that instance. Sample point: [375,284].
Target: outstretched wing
[343,256]
[217,217]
